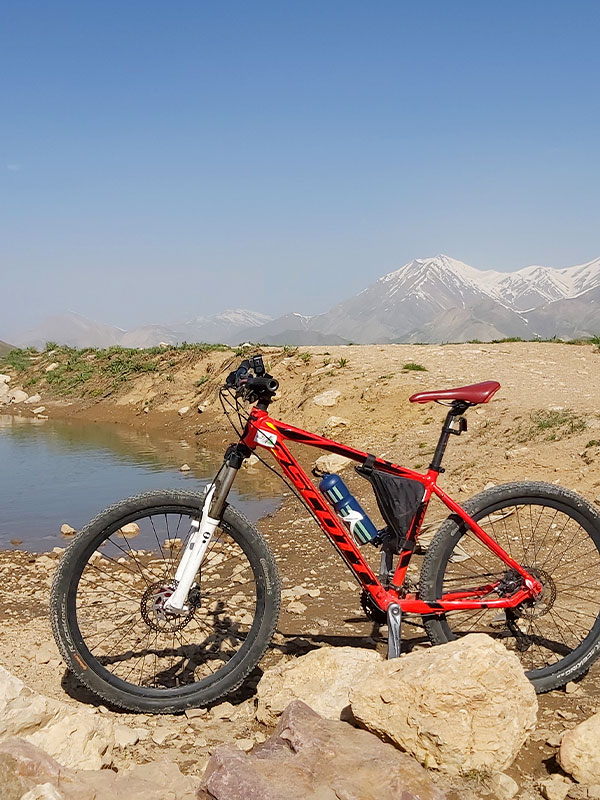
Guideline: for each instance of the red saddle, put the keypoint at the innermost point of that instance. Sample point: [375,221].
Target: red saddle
[474,394]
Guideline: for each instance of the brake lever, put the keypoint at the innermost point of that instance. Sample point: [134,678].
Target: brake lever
[240,376]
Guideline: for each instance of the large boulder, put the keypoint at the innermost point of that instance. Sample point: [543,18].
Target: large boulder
[23,766]
[322,678]
[462,706]
[28,773]
[76,737]
[579,753]
[312,758]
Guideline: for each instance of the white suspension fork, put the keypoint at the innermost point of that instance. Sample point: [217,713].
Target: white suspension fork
[200,539]
[192,557]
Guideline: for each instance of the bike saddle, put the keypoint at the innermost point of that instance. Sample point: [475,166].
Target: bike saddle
[473,394]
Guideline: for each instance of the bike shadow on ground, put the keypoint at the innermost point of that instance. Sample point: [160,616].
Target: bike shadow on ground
[287,645]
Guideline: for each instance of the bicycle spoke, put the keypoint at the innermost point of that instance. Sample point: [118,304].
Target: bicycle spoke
[550,543]
[120,598]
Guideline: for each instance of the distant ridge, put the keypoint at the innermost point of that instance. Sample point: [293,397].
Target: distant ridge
[437,299]
[5,348]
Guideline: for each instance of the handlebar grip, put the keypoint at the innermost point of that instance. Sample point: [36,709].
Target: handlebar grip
[265,382]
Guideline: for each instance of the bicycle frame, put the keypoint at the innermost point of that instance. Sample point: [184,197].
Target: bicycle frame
[263,431]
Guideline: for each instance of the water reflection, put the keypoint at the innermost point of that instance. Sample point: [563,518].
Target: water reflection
[55,471]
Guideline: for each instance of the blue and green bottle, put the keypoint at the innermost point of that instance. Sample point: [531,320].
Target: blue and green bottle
[348,508]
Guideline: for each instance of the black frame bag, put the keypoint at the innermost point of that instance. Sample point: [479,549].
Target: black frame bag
[398,500]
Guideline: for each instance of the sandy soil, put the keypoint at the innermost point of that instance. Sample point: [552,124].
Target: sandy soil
[505,442]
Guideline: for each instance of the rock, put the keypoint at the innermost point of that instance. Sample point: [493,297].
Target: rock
[461,706]
[35,398]
[183,411]
[331,462]
[194,713]
[52,367]
[4,378]
[126,737]
[129,530]
[322,678]
[579,753]
[46,653]
[502,786]
[28,772]
[22,765]
[571,687]
[335,424]
[245,744]
[296,607]
[185,468]
[593,791]
[39,410]
[73,736]
[17,396]
[161,734]
[44,791]
[67,530]
[554,739]
[223,711]
[555,787]
[328,398]
[251,461]
[4,393]
[311,758]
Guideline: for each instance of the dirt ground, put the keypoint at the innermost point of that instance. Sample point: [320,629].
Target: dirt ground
[543,424]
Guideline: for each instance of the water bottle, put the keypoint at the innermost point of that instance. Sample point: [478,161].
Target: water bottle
[348,508]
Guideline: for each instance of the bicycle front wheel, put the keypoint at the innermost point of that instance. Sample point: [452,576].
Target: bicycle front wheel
[555,534]
[109,592]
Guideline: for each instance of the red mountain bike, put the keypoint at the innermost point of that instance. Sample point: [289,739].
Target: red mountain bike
[183,617]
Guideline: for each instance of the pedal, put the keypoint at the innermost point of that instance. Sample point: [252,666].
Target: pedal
[394,621]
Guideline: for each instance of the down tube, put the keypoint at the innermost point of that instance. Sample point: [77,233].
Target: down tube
[333,528]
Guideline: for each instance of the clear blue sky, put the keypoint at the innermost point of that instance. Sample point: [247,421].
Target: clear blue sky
[162,160]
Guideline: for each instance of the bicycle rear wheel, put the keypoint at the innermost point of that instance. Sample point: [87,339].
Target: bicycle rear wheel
[107,605]
[555,534]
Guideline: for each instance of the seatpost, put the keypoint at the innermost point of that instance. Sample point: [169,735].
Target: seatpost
[458,409]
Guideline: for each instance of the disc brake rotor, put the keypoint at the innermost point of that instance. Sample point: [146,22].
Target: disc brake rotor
[156,616]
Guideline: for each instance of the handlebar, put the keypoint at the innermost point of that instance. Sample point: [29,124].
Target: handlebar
[252,382]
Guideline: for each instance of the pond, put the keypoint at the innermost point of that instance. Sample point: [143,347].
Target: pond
[55,471]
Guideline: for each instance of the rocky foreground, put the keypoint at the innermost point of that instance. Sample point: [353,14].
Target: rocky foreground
[437,724]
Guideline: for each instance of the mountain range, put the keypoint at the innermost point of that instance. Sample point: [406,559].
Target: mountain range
[435,299]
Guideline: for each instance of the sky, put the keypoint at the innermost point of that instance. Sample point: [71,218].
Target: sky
[162,161]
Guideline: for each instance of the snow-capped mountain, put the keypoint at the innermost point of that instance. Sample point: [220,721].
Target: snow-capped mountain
[435,299]
[443,299]
[533,286]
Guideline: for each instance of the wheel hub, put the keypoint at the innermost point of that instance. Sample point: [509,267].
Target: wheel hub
[535,607]
[156,616]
